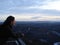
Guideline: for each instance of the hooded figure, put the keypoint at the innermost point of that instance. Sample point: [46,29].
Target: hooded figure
[6,30]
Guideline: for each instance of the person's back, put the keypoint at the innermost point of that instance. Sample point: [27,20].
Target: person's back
[4,34]
[6,30]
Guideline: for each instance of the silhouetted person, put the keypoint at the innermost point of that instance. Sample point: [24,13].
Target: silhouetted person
[6,30]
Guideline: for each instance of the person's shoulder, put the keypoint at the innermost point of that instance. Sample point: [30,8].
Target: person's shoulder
[0,25]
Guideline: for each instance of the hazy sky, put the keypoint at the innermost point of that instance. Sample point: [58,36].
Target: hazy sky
[31,10]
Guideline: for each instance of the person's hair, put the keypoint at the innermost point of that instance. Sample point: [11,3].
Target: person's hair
[9,20]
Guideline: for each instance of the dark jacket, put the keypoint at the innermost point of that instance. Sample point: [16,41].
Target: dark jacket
[5,33]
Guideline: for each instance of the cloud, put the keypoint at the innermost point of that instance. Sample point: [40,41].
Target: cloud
[32,17]
[52,5]
[32,8]
[8,5]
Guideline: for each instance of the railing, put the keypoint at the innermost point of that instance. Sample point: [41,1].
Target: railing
[15,42]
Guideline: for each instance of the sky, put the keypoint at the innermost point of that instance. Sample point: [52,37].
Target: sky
[30,10]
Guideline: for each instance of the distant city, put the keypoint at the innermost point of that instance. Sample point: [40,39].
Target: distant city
[40,32]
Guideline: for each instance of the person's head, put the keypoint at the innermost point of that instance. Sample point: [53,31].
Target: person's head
[10,20]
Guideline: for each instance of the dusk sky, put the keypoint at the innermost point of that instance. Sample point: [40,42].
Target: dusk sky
[30,10]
